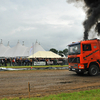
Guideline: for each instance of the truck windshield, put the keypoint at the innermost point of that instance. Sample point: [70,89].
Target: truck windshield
[74,49]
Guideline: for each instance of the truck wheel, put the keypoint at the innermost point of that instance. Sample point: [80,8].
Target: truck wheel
[93,70]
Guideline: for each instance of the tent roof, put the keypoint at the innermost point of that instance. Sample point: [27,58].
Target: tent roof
[16,51]
[35,48]
[19,50]
[44,54]
[2,49]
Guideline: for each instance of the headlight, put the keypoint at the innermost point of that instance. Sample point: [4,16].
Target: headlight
[69,66]
[79,66]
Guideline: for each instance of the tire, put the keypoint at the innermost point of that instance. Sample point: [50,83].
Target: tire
[93,70]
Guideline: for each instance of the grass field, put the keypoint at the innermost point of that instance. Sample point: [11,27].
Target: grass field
[35,66]
[82,95]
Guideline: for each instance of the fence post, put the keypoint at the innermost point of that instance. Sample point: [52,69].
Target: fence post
[29,89]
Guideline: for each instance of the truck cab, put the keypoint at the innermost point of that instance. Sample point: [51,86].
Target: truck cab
[84,56]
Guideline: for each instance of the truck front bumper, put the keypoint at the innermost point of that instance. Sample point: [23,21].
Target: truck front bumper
[77,70]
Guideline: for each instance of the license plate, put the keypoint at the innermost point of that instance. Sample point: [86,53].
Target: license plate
[73,69]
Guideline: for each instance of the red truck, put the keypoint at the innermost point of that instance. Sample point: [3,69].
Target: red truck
[84,56]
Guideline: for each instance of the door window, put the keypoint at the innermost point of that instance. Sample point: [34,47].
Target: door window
[86,47]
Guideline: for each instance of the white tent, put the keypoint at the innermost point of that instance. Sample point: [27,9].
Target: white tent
[19,50]
[45,54]
[7,49]
[37,47]
[2,50]
[16,51]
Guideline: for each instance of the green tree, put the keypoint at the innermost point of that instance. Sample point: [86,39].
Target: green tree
[65,51]
[54,50]
[61,53]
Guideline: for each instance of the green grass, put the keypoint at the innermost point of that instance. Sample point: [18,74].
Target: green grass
[82,95]
[35,66]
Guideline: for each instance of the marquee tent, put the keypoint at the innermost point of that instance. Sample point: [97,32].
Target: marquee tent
[16,51]
[45,54]
[7,49]
[36,47]
[19,50]
[3,49]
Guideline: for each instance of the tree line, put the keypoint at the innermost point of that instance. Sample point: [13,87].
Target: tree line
[61,53]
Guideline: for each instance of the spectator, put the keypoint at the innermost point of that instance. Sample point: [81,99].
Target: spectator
[31,62]
[10,61]
[5,62]
[17,61]
[13,62]
[55,61]
[2,62]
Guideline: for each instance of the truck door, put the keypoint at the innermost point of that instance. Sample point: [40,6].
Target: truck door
[87,52]
[95,51]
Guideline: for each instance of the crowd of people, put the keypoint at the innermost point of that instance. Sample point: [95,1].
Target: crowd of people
[30,62]
[16,62]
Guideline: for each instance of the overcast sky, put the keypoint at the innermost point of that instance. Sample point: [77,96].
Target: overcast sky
[53,23]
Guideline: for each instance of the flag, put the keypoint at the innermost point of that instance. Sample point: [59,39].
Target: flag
[30,52]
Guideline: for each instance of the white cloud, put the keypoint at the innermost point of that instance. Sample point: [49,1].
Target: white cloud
[54,23]
[2,9]
[19,29]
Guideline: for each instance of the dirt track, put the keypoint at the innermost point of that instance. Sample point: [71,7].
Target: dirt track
[44,82]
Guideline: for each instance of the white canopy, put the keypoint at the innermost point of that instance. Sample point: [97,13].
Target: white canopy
[16,51]
[2,50]
[44,54]
[19,50]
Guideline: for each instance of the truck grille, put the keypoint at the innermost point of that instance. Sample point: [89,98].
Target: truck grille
[74,60]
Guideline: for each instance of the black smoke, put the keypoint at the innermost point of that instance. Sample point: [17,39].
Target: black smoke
[97,28]
[92,9]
